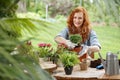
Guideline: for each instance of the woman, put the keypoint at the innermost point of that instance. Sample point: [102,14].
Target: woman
[78,23]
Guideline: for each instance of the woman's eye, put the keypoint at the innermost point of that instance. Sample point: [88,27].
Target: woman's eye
[80,17]
[74,17]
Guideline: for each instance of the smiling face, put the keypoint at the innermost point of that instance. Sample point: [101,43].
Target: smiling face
[78,19]
[78,22]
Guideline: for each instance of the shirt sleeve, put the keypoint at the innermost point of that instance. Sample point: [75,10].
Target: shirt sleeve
[93,40]
[64,33]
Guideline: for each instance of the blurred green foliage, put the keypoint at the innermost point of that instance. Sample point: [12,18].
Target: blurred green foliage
[17,65]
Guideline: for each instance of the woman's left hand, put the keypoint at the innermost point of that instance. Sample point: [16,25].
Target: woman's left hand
[84,50]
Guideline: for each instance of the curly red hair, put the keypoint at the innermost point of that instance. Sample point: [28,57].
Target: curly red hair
[85,29]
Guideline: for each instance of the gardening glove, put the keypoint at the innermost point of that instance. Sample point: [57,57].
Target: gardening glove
[84,50]
[70,45]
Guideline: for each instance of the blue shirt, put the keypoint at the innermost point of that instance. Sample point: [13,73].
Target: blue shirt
[91,41]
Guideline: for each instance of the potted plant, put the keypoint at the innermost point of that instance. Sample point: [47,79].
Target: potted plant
[68,59]
[77,39]
[44,51]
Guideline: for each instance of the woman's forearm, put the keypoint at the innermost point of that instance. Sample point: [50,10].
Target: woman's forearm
[59,39]
[93,49]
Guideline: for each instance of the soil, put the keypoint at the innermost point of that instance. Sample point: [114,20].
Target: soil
[95,63]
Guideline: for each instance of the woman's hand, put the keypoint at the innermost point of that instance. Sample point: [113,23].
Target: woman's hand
[70,45]
[89,49]
[84,50]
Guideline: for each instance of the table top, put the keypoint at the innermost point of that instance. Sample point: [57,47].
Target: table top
[47,65]
[77,74]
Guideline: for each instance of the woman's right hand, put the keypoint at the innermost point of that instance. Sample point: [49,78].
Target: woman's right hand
[70,45]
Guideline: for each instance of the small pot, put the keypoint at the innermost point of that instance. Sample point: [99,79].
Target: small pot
[83,66]
[68,70]
[78,49]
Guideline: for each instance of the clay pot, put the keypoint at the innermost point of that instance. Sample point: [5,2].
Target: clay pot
[78,49]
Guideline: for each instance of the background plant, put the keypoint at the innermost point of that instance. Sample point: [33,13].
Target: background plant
[16,66]
[44,50]
[107,9]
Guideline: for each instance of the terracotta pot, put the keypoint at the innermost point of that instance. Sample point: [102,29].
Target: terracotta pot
[83,57]
[78,49]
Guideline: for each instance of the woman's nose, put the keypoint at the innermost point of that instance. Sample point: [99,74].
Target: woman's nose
[77,20]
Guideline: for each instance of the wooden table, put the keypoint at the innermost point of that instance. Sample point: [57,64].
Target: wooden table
[48,66]
[113,77]
[89,74]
